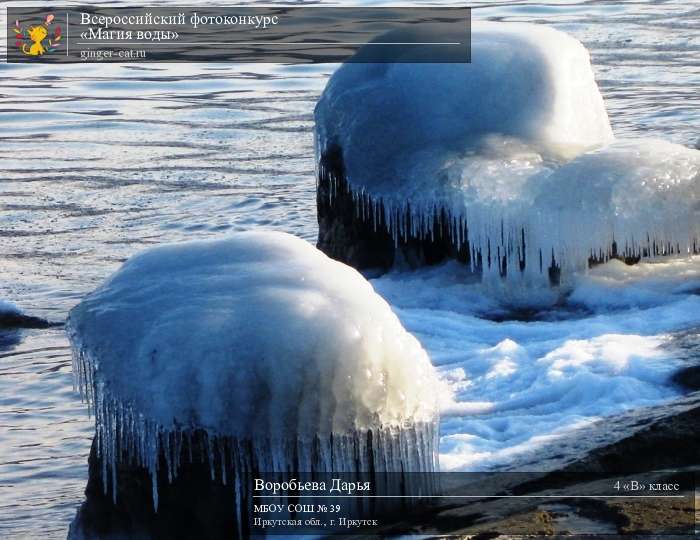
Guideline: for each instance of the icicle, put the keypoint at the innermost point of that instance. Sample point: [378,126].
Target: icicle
[123,435]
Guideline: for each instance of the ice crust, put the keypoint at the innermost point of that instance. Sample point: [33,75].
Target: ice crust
[642,194]
[256,337]
[400,123]
[514,152]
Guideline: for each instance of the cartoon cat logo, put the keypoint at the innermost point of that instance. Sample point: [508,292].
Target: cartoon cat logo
[36,35]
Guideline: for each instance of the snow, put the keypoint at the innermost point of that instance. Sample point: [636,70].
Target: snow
[514,155]
[523,389]
[401,123]
[618,286]
[254,337]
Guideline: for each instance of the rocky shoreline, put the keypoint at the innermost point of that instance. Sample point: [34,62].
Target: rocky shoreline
[663,450]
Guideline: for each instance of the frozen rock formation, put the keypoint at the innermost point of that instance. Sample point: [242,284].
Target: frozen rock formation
[508,164]
[252,353]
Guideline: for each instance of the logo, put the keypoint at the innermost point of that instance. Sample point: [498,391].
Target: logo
[35,40]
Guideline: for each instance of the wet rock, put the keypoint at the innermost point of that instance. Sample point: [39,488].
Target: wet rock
[19,320]
[193,505]
[688,378]
[340,235]
[668,442]
[559,512]
[366,243]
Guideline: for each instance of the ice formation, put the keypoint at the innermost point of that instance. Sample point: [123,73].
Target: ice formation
[526,82]
[7,308]
[510,160]
[11,316]
[522,387]
[642,197]
[286,359]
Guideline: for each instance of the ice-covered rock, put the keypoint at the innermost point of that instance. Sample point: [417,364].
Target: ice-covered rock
[8,308]
[11,316]
[508,164]
[401,124]
[285,359]
[631,199]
